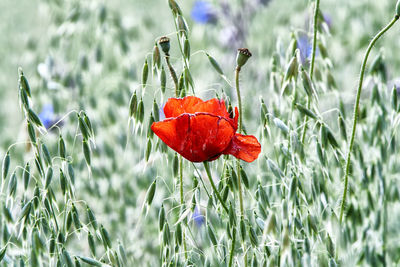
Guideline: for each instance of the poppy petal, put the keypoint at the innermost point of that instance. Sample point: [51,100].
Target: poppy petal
[197,137]
[244,147]
[191,104]
[178,106]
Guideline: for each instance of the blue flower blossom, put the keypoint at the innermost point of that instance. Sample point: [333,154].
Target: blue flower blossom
[47,116]
[305,47]
[197,217]
[203,12]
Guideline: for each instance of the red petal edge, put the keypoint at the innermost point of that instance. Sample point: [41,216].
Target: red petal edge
[191,104]
[244,147]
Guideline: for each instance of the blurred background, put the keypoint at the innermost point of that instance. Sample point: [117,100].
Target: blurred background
[89,55]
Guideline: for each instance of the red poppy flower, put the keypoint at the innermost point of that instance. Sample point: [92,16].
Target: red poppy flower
[203,130]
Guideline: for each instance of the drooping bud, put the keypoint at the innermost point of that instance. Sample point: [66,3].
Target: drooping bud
[242,56]
[164,43]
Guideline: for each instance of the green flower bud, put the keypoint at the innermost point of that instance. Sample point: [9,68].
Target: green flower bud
[242,56]
[398,8]
[164,43]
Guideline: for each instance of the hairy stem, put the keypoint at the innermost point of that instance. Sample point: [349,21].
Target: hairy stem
[240,130]
[182,202]
[239,98]
[232,248]
[238,161]
[355,113]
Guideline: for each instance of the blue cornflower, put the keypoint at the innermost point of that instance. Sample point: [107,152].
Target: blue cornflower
[305,48]
[47,116]
[197,217]
[203,12]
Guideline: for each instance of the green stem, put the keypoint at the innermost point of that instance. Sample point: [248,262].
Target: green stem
[232,249]
[239,98]
[207,167]
[314,46]
[240,130]
[181,180]
[355,113]
[182,202]
[385,224]
[311,73]
[238,161]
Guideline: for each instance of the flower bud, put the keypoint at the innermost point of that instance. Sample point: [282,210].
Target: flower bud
[242,56]
[164,43]
[398,8]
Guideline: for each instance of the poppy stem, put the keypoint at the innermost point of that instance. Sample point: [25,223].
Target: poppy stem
[314,48]
[239,98]
[207,168]
[237,71]
[240,131]
[356,110]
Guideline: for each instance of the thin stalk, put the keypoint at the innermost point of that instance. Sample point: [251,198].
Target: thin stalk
[207,168]
[356,108]
[237,71]
[314,45]
[182,202]
[232,249]
[385,224]
[239,98]
[311,71]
